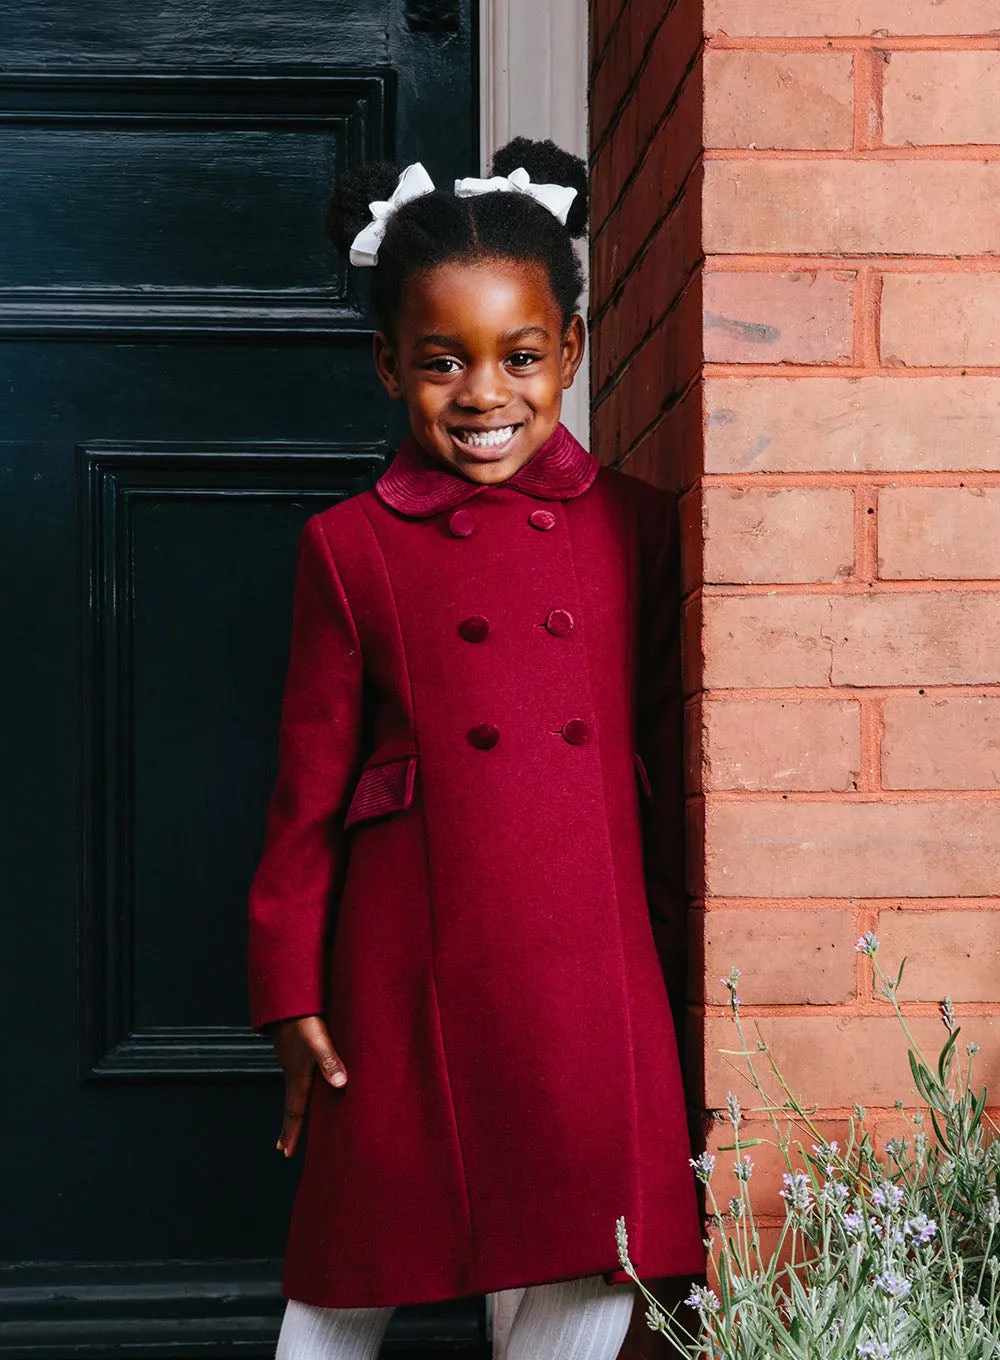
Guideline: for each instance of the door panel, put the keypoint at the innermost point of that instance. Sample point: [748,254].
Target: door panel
[184,378]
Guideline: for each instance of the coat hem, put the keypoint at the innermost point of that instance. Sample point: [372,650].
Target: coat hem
[611,1274]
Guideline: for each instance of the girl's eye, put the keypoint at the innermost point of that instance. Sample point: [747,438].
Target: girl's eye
[523,358]
[442,364]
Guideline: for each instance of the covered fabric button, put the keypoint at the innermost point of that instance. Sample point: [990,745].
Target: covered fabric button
[542,519]
[475,629]
[485,736]
[461,524]
[576,732]
[559,623]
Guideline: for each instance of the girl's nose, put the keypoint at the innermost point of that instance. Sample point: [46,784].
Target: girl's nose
[483,390]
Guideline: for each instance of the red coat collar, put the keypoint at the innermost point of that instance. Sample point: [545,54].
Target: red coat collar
[415,486]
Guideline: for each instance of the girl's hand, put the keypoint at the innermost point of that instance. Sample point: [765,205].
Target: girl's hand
[301,1046]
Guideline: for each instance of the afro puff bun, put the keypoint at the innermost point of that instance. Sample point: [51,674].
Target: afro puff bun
[547,163]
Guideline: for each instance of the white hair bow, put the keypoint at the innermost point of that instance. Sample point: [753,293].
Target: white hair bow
[558,198]
[414,182]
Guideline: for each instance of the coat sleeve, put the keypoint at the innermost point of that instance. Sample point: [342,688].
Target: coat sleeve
[660,735]
[318,747]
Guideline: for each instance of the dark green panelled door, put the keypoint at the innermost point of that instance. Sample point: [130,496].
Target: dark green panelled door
[184,378]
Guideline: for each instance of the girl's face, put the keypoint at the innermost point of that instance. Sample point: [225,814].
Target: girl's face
[481,357]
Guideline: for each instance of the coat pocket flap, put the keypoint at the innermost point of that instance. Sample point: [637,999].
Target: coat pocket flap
[640,769]
[383,789]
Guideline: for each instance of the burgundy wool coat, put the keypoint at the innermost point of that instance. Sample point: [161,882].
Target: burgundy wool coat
[482,709]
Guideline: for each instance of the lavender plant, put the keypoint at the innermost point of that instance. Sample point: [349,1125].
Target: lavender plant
[888,1254]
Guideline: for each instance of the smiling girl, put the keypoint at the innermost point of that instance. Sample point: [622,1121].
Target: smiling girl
[478,810]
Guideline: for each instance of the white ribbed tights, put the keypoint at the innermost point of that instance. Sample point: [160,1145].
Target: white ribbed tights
[572,1320]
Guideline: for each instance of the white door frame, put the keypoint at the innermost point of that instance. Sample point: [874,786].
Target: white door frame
[533,83]
[533,65]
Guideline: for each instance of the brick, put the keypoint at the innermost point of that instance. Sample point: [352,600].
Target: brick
[790,848]
[762,640]
[942,98]
[797,100]
[818,207]
[838,1061]
[797,744]
[939,532]
[850,18]
[762,943]
[952,951]
[768,534]
[940,319]
[892,638]
[941,742]
[803,317]
[852,424]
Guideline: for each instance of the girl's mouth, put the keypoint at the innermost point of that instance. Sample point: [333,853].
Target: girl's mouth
[495,441]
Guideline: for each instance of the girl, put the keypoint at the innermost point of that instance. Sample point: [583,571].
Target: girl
[450,922]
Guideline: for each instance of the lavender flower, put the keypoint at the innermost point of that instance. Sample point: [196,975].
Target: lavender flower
[703,1166]
[867,944]
[833,1194]
[854,1222]
[894,1286]
[743,1170]
[921,1228]
[703,1299]
[888,1197]
[796,1192]
[874,1350]
[734,1110]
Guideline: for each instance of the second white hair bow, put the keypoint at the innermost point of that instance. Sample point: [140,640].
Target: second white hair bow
[558,198]
[414,182]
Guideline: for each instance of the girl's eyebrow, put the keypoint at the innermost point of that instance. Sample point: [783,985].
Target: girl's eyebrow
[511,337]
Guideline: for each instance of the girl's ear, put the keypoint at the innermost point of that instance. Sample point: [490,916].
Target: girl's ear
[573,343]
[387,366]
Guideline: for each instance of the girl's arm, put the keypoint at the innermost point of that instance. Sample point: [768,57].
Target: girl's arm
[318,750]
[661,739]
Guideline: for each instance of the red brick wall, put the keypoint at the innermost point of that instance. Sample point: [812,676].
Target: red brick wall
[797,324]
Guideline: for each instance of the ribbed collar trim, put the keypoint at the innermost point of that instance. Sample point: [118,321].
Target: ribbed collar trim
[415,486]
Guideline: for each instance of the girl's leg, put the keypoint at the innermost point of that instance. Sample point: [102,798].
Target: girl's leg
[310,1333]
[573,1320]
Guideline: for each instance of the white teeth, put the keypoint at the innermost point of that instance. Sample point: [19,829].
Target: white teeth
[487,439]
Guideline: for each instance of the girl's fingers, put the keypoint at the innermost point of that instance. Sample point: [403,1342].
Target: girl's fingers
[297,1086]
[330,1066]
[302,1046]
[291,1127]
[325,1056]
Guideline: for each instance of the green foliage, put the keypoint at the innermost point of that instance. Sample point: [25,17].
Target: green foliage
[892,1255]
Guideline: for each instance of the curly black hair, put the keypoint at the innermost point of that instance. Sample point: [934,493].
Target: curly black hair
[439,228]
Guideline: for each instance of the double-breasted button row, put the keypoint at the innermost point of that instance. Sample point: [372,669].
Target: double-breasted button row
[486,735]
[559,623]
[462,523]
